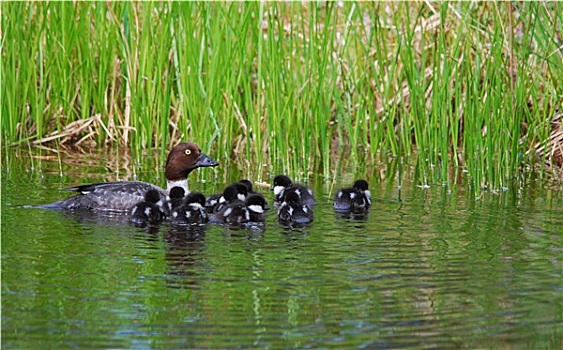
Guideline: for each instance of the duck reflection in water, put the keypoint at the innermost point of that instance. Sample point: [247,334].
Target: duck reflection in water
[109,219]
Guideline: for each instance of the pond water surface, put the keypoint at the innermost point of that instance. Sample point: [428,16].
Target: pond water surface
[428,268]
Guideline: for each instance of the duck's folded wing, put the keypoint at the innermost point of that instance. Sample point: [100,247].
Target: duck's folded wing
[107,196]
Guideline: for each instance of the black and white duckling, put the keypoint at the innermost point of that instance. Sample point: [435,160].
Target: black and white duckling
[248,185]
[283,184]
[147,212]
[356,199]
[191,212]
[230,195]
[257,206]
[174,200]
[213,203]
[292,211]
[242,190]
[251,192]
[233,213]
[238,213]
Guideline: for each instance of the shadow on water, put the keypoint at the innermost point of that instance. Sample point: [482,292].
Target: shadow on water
[426,268]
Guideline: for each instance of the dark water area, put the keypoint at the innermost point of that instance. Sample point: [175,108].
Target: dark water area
[427,268]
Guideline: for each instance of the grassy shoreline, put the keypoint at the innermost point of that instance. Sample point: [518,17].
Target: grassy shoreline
[293,86]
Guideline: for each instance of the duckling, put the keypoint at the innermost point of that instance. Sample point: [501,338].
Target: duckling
[293,211]
[356,199]
[251,192]
[238,213]
[248,185]
[213,203]
[174,201]
[147,211]
[242,190]
[283,185]
[233,213]
[256,205]
[191,211]
[230,195]
[281,182]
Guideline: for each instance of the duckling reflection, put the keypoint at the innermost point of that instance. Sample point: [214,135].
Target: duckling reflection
[362,217]
[184,253]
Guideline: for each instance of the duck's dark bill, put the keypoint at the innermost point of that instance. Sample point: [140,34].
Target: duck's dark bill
[205,161]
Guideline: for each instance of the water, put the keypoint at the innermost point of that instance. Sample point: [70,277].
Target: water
[426,269]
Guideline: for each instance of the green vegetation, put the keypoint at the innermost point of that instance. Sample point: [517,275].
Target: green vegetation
[302,87]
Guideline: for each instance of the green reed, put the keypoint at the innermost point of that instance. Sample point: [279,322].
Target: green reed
[301,88]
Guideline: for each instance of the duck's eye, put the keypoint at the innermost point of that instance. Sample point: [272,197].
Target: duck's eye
[188,152]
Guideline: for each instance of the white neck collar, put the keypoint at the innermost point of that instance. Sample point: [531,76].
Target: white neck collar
[179,183]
